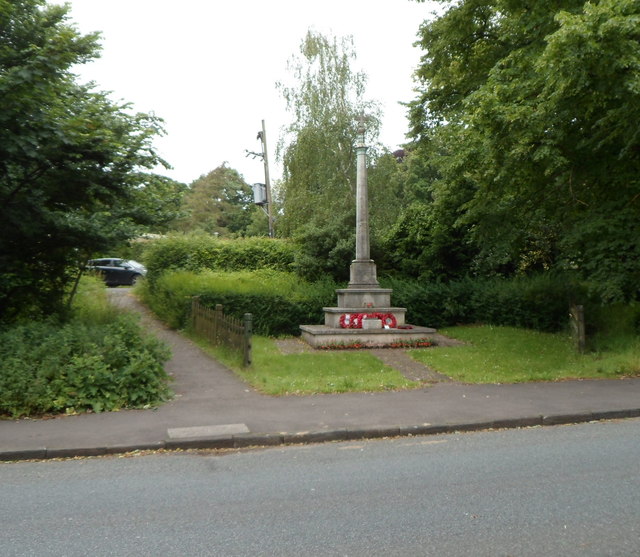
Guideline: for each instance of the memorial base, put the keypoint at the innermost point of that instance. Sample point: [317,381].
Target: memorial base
[320,336]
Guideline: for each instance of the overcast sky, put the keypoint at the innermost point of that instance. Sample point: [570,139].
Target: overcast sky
[209,67]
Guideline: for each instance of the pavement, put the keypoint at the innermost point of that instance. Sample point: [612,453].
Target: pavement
[213,409]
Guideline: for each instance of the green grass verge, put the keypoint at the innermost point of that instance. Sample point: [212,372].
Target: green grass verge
[491,355]
[275,373]
[510,355]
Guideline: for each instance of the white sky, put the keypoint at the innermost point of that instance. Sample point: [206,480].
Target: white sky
[209,67]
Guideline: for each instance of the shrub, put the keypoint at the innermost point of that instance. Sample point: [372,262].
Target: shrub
[279,301]
[197,252]
[540,302]
[325,250]
[98,359]
[613,327]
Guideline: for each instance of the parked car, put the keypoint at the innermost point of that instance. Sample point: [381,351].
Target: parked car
[116,271]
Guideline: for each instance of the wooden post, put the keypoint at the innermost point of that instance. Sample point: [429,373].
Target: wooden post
[195,304]
[248,329]
[217,324]
[577,322]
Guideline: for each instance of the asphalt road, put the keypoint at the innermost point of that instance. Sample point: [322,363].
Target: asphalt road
[572,490]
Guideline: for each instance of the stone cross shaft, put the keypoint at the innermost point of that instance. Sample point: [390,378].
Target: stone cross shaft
[362,200]
[363,269]
[363,297]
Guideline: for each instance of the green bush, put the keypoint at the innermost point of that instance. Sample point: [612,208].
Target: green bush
[612,327]
[99,359]
[279,302]
[325,250]
[197,252]
[540,302]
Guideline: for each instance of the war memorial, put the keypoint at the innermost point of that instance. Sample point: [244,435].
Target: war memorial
[364,314]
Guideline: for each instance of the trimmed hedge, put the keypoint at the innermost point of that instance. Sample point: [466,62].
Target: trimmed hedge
[541,302]
[280,302]
[538,302]
[198,252]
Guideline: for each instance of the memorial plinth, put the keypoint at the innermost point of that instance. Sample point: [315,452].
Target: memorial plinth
[363,298]
[321,336]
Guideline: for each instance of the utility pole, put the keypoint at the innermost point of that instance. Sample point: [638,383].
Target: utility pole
[267,180]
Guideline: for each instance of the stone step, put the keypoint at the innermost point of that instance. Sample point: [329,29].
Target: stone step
[321,335]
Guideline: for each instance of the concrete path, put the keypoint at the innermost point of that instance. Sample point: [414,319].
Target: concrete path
[229,413]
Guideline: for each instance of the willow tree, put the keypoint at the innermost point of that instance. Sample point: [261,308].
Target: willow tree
[317,149]
[317,191]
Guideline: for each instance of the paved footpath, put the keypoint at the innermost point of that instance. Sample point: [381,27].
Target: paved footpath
[214,409]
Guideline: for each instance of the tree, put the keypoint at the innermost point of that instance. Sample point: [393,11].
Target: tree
[427,240]
[318,149]
[220,202]
[317,192]
[74,166]
[534,105]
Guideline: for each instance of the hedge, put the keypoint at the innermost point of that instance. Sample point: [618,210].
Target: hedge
[540,302]
[198,252]
[279,302]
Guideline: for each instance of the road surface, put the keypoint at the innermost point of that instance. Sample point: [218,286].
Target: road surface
[571,490]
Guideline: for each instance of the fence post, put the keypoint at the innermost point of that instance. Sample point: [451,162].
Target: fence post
[248,326]
[195,304]
[217,324]
[577,320]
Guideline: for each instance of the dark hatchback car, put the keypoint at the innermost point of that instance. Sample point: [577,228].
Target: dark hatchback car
[118,272]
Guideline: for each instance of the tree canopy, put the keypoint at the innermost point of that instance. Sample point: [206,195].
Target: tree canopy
[75,167]
[317,192]
[528,113]
[220,203]
[317,150]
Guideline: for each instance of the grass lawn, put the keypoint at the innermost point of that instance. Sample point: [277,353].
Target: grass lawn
[510,355]
[491,355]
[275,373]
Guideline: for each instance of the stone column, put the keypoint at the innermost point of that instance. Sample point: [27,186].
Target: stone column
[363,269]
[362,199]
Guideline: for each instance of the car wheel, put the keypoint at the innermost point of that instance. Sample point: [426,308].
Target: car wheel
[134,279]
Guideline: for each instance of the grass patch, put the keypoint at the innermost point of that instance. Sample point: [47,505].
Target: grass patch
[275,373]
[511,355]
